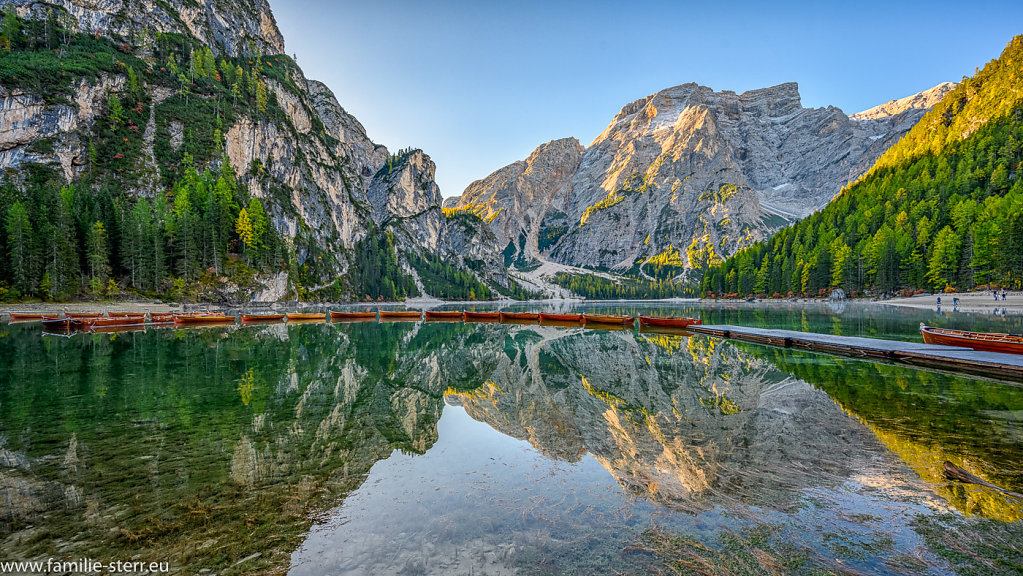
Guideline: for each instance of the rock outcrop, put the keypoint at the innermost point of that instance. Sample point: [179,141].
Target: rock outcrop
[685,176]
[405,199]
[231,27]
[514,199]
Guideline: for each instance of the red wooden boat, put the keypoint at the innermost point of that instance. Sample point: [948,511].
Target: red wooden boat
[16,317]
[203,319]
[444,314]
[161,318]
[544,317]
[400,315]
[306,316]
[668,321]
[985,341]
[608,319]
[520,316]
[352,315]
[125,314]
[262,317]
[51,323]
[482,316]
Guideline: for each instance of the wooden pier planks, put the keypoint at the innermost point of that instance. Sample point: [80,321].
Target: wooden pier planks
[951,358]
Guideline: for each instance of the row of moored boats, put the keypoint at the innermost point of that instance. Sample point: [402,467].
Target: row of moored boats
[115,321]
[97,321]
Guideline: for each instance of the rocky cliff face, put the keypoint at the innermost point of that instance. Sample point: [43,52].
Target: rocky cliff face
[232,27]
[685,176]
[406,199]
[323,181]
[515,198]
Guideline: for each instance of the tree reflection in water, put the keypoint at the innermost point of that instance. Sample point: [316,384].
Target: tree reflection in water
[208,446]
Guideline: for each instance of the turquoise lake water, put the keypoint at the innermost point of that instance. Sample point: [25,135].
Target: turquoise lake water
[451,448]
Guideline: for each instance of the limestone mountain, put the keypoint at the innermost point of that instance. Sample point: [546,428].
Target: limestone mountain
[685,176]
[131,102]
[942,209]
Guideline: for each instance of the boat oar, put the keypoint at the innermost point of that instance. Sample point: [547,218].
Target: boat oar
[953,472]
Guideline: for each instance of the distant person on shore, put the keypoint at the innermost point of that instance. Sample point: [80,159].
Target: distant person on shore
[939,300]
[955,301]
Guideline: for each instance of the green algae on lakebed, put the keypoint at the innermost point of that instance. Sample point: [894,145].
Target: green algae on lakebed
[424,448]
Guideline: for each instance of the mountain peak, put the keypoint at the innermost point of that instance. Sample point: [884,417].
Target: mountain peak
[783,91]
[680,178]
[920,101]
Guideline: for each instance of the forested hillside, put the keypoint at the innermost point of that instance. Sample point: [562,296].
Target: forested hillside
[941,210]
[92,236]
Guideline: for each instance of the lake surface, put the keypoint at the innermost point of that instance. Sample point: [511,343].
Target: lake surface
[450,448]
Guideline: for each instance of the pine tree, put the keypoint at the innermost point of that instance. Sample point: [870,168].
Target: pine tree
[19,245]
[134,90]
[259,223]
[142,273]
[10,32]
[63,265]
[196,65]
[98,254]
[209,65]
[944,261]
[261,96]
[116,110]
[244,228]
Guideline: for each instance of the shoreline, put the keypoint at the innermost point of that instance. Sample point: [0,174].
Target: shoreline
[112,306]
[975,302]
[978,302]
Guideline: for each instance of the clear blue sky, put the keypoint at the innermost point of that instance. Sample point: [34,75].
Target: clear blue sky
[479,84]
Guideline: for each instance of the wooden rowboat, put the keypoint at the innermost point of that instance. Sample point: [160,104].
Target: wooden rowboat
[400,315]
[352,315]
[668,321]
[985,341]
[15,317]
[520,316]
[482,316]
[262,317]
[204,319]
[561,317]
[443,314]
[56,323]
[306,316]
[607,319]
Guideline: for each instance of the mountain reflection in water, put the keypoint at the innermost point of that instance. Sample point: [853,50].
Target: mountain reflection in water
[206,447]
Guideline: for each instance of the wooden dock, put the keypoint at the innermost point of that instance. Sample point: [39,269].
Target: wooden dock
[946,358]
